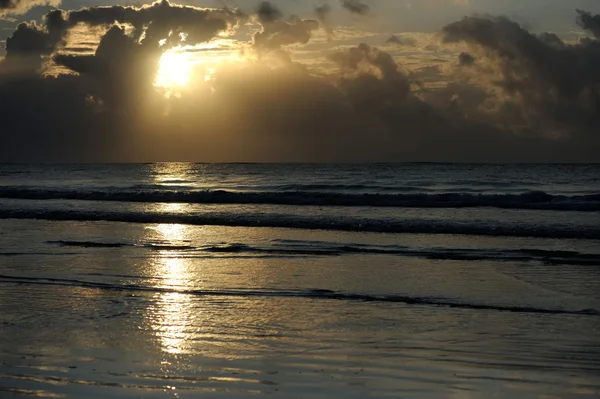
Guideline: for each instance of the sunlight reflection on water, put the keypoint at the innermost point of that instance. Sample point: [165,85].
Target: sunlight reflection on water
[170,174]
[172,316]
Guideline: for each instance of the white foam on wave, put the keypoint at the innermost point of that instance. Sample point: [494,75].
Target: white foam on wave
[537,200]
[341,223]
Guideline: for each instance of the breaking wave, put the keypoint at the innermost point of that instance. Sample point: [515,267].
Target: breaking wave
[293,248]
[383,225]
[530,200]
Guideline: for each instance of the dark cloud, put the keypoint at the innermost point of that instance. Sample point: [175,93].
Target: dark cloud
[162,20]
[356,7]
[15,7]
[401,41]
[551,39]
[120,72]
[355,58]
[277,31]
[26,47]
[322,13]
[548,87]
[589,22]
[465,59]
[48,118]
[30,42]
[267,12]
[283,33]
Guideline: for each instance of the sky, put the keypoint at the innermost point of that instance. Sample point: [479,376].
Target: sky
[300,81]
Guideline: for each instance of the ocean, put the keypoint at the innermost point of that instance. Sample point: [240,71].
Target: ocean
[300,280]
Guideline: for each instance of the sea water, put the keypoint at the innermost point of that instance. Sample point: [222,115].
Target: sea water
[298,280]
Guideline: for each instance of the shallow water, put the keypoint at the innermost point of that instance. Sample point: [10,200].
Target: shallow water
[106,307]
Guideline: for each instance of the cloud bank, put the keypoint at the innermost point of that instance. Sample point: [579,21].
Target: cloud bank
[16,7]
[510,95]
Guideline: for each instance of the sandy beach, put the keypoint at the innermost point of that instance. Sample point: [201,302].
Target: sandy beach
[100,309]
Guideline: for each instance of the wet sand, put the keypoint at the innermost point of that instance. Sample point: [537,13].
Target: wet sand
[164,314]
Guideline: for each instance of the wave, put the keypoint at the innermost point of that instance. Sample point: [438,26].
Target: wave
[529,200]
[417,186]
[291,248]
[300,187]
[92,244]
[422,226]
[317,294]
[33,253]
[89,244]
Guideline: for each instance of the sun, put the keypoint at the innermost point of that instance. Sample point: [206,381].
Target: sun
[174,70]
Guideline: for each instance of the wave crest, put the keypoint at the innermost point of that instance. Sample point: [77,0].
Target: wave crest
[422,226]
[530,200]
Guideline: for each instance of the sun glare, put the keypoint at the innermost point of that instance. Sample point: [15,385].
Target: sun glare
[188,65]
[174,70]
